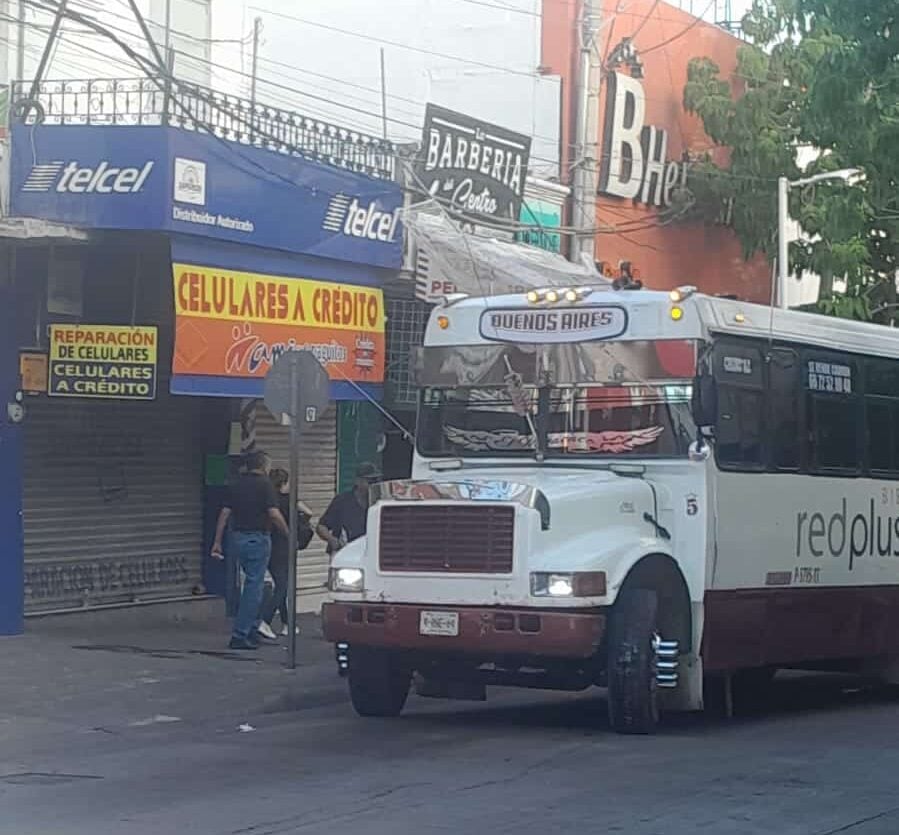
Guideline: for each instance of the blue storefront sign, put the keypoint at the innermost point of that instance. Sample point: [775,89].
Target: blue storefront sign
[173,180]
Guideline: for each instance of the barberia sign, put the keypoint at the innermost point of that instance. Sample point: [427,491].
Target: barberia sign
[635,164]
[476,167]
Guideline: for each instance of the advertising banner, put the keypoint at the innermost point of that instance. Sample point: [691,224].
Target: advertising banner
[152,177]
[233,325]
[103,361]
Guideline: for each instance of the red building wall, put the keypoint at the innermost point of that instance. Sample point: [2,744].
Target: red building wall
[666,39]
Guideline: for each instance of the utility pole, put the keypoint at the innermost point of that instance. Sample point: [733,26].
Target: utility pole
[257,31]
[20,42]
[167,38]
[585,184]
[383,95]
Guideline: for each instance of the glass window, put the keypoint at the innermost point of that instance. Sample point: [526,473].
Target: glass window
[882,378]
[621,420]
[738,434]
[880,420]
[739,430]
[833,412]
[475,421]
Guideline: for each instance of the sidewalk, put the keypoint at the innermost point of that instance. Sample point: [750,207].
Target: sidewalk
[111,670]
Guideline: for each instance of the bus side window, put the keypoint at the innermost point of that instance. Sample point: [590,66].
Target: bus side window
[881,416]
[783,409]
[740,427]
[832,408]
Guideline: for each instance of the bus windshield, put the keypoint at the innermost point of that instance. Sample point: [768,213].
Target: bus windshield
[595,398]
[557,421]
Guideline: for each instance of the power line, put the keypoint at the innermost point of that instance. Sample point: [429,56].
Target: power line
[147,65]
[695,22]
[397,44]
[298,92]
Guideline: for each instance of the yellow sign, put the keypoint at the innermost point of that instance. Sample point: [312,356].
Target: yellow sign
[103,361]
[33,371]
[231,295]
[236,324]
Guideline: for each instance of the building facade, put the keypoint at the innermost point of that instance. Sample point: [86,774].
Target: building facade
[205,248]
[646,142]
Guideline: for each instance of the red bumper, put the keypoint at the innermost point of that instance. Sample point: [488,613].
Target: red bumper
[482,631]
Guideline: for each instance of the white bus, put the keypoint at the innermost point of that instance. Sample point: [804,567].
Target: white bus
[635,490]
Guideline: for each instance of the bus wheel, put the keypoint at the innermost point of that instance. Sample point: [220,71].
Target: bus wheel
[379,682]
[633,697]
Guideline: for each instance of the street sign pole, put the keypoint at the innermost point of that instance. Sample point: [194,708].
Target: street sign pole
[292,539]
[297,388]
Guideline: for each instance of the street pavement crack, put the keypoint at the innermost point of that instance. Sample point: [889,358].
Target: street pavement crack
[850,826]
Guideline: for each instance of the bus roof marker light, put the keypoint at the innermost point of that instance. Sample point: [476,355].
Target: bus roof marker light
[443,322]
[552,296]
[680,294]
[533,296]
[677,313]
[572,295]
[739,318]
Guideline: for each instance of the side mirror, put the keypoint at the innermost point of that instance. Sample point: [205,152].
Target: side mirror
[705,401]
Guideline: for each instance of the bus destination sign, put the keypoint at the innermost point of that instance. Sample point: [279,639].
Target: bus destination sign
[556,324]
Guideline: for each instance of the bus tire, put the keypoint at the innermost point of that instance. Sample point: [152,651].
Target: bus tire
[633,700]
[379,682]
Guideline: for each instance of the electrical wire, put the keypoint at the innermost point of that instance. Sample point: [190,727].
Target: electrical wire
[397,44]
[297,92]
[692,25]
[145,64]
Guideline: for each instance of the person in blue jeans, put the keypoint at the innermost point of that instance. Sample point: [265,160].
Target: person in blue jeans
[253,511]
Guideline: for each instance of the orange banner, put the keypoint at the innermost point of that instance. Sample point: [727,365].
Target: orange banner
[236,324]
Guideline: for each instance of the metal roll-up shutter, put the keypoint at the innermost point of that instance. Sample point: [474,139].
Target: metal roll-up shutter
[113,501]
[316,485]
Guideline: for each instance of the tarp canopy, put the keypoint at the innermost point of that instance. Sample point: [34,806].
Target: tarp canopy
[451,260]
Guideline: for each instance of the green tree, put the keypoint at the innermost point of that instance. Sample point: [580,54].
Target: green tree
[822,74]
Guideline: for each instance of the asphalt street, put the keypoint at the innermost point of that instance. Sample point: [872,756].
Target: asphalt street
[821,758]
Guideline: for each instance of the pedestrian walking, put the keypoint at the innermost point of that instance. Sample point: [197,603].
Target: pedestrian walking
[279,565]
[347,515]
[253,512]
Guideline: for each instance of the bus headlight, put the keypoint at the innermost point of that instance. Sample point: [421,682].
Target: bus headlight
[347,579]
[574,584]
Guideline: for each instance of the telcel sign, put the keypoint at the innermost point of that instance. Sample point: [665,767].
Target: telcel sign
[103,179]
[348,216]
[162,178]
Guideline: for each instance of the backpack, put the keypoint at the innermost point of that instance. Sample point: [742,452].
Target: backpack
[304,531]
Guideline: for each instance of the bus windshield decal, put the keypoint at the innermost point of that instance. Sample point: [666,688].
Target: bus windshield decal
[554,325]
[504,440]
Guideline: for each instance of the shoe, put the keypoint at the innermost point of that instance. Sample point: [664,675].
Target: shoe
[266,631]
[242,643]
[285,631]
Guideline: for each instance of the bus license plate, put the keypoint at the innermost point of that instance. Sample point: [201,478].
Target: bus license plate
[439,623]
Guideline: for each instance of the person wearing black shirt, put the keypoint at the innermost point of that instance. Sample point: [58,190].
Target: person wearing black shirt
[279,565]
[347,515]
[253,511]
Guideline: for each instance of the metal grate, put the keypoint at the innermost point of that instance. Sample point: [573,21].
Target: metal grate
[453,539]
[407,320]
[149,101]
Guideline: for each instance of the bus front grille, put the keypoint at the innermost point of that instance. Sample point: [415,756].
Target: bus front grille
[449,539]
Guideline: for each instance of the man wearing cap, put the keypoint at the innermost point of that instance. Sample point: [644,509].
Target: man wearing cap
[347,515]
